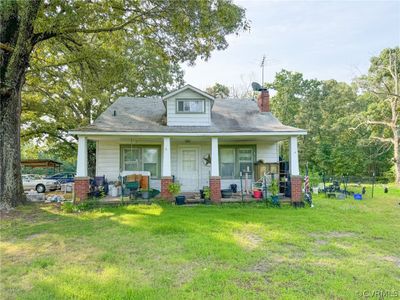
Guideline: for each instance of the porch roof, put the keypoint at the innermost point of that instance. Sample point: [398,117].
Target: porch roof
[148,116]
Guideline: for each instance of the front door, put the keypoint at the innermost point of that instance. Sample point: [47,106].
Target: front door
[188,163]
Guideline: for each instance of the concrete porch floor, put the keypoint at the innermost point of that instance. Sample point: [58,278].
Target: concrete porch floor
[191,198]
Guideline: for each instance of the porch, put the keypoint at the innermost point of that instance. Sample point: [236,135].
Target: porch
[194,161]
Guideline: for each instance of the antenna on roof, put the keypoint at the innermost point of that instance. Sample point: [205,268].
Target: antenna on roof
[262,68]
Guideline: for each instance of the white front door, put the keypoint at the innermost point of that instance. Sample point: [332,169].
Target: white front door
[188,163]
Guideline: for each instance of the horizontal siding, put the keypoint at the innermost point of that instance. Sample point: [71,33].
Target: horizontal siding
[107,160]
[174,119]
[268,152]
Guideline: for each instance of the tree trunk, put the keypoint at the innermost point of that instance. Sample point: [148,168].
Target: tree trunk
[16,35]
[396,155]
[11,191]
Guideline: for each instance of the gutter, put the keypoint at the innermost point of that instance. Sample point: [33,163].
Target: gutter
[207,134]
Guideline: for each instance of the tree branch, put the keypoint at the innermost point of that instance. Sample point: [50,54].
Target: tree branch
[49,34]
[6,47]
[383,140]
[378,123]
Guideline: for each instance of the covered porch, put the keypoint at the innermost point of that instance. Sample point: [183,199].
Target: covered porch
[194,161]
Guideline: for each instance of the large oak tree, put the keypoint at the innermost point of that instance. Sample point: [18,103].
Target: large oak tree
[66,34]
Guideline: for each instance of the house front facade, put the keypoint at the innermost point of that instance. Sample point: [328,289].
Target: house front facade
[188,136]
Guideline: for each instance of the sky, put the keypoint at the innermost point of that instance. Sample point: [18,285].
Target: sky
[321,39]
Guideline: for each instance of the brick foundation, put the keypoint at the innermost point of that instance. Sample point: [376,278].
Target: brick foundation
[296,185]
[165,181]
[215,189]
[81,188]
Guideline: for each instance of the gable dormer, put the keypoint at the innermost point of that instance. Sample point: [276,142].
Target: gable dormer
[188,106]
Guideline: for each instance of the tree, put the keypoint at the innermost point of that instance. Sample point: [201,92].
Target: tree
[182,30]
[327,110]
[382,114]
[218,90]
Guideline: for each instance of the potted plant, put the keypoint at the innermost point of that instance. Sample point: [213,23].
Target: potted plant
[175,188]
[207,195]
[274,189]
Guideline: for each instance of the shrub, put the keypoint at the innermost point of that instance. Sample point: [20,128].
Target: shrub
[207,192]
[274,187]
[174,188]
[68,207]
[88,204]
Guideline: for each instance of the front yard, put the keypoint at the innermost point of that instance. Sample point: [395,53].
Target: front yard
[339,249]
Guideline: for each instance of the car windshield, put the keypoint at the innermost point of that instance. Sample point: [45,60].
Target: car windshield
[30,177]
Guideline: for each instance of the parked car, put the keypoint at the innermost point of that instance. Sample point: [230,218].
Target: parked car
[35,182]
[63,177]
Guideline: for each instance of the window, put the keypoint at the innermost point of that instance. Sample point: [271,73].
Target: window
[236,159]
[190,106]
[227,162]
[189,161]
[245,160]
[141,158]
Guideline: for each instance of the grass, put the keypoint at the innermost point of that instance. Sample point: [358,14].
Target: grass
[340,249]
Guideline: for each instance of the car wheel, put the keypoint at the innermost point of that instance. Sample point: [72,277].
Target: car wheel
[40,188]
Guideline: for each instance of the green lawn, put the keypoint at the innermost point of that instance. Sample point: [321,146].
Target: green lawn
[339,249]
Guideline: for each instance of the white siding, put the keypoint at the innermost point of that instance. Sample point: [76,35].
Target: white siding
[268,152]
[108,162]
[107,159]
[187,119]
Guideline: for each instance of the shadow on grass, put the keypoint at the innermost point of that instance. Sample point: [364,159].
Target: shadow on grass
[143,251]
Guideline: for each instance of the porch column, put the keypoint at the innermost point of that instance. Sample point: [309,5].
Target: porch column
[82,162]
[215,179]
[81,181]
[166,177]
[295,178]
[214,157]
[166,165]
[293,156]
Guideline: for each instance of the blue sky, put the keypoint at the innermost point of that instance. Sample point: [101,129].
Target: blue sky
[321,39]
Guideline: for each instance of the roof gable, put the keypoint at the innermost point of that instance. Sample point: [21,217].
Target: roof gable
[189,87]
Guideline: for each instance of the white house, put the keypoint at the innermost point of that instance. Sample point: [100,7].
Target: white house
[188,134]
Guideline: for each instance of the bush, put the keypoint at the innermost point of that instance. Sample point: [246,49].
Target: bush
[207,193]
[88,204]
[68,207]
[174,188]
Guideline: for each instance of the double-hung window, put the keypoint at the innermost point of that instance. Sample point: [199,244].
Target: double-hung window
[190,106]
[141,158]
[236,159]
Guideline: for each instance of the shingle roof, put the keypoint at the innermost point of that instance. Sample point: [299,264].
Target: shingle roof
[149,115]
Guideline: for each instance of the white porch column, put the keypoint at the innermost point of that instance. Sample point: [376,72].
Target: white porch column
[166,162]
[293,156]
[82,163]
[214,157]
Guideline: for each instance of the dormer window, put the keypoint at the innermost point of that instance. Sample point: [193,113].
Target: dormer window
[190,106]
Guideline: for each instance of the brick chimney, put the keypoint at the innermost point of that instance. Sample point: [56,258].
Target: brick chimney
[263,101]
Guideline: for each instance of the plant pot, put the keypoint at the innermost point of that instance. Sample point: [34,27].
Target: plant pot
[275,199]
[207,201]
[226,193]
[257,194]
[233,188]
[180,200]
